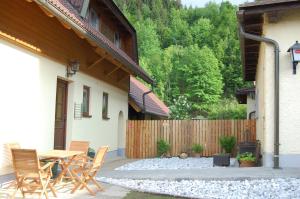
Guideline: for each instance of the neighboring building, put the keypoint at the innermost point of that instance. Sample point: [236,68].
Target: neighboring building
[277,20]
[42,106]
[149,108]
[247,96]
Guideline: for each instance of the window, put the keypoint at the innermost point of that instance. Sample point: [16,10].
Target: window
[106,30]
[94,19]
[105,106]
[86,102]
[77,4]
[117,40]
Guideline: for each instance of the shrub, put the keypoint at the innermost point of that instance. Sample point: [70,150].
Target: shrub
[162,147]
[227,109]
[246,157]
[228,143]
[197,148]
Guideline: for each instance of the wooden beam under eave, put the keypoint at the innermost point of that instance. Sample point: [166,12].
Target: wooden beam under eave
[96,62]
[47,12]
[122,78]
[79,34]
[112,71]
[134,105]
[67,26]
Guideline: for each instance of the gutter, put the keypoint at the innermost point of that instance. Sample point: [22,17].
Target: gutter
[276,86]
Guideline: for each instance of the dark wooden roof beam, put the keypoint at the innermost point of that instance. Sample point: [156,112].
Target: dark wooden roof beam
[254,26]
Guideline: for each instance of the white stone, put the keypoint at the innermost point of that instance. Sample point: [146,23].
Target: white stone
[248,189]
[170,163]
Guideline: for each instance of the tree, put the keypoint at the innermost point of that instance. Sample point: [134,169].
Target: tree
[199,78]
[191,52]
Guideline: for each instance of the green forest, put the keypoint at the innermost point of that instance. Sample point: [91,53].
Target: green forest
[192,53]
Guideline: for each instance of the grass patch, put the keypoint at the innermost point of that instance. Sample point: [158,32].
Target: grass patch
[140,195]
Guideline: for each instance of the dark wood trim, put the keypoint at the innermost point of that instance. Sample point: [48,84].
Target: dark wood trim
[60,81]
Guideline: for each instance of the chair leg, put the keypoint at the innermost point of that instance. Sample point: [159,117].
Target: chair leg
[89,190]
[52,190]
[82,183]
[97,184]
[76,187]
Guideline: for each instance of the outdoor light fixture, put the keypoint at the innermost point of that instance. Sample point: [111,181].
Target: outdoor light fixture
[295,53]
[72,68]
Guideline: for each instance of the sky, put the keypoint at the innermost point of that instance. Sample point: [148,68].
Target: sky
[201,3]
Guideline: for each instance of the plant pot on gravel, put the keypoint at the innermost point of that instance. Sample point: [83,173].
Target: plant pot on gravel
[227,143]
[197,150]
[222,159]
[246,159]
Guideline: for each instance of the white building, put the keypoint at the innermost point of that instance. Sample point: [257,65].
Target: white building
[277,20]
[42,107]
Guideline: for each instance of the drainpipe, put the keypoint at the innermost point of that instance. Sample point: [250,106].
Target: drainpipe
[276,89]
[144,98]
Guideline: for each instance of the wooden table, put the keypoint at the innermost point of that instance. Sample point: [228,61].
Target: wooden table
[65,157]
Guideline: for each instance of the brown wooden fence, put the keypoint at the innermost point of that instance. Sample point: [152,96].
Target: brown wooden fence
[142,135]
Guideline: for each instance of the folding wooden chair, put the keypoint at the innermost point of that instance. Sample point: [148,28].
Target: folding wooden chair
[86,174]
[30,176]
[82,146]
[79,146]
[9,146]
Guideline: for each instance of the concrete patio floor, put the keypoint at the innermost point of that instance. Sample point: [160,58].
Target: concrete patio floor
[110,191]
[117,192]
[219,173]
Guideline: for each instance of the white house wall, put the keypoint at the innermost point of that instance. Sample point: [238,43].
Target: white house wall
[28,97]
[286,31]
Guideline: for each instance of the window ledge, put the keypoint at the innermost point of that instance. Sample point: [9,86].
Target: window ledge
[86,116]
[106,118]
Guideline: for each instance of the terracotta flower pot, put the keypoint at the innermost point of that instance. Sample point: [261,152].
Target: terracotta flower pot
[247,163]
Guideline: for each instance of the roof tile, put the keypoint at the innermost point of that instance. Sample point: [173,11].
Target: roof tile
[152,103]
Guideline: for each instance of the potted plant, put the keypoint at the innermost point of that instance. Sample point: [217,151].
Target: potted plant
[163,148]
[227,143]
[246,159]
[197,150]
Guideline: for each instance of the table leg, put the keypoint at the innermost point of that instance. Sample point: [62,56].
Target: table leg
[65,170]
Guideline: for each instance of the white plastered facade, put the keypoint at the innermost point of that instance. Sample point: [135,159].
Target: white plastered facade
[286,31]
[28,99]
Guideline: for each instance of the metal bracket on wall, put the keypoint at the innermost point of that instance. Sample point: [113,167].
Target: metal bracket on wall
[77,111]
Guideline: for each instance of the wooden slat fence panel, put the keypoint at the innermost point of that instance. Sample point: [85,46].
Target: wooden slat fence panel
[142,135]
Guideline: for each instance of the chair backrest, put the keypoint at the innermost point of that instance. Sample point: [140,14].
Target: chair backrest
[99,158]
[25,161]
[79,146]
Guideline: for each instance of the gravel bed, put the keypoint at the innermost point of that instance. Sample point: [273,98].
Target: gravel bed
[257,189]
[170,163]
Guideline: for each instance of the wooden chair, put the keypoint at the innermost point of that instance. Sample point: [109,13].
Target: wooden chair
[9,147]
[80,146]
[86,174]
[30,176]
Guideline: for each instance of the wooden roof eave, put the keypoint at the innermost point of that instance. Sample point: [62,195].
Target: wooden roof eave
[65,20]
[249,73]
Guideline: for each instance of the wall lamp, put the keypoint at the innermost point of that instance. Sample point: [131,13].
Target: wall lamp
[295,54]
[72,68]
